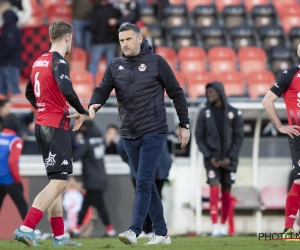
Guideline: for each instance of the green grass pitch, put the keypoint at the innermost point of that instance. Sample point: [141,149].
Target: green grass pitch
[178,243]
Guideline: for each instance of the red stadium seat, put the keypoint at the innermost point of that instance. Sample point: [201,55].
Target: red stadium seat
[280,4]
[196,83]
[191,4]
[59,12]
[48,3]
[192,59]
[168,54]
[176,2]
[233,83]
[222,3]
[289,9]
[273,197]
[252,59]
[222,59]
[34,21]
[259,83]
[19,100]
[84,77]
[78,59]
[36,8]
[180,78]
[249,4]
[102,64]
[289,21]
[99,77]
[53,18]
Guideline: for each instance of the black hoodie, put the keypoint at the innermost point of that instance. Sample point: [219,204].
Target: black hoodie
[207,134]
[10,41]
[139,82]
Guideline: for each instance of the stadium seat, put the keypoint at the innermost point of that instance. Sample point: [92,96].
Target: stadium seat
[48,3]
[176,2]
[289,9]
[192,59]
[148,14]
[222,59]
[223,3]
[233,83]
[273,197]
[78,59]
[280,4]
[191,4]
[36,8]
[34,21]
[99,77]
[234,15]
[248,198]
[196,83]
[58,12]
[241,37]
[271,36]
[281,59]
[295,37]
[263,15]
[290,21]
[259,83]
[168,54]
[174,16]
[205,16]
[180,78]
[252,59]
[249,4]
[210,37]
[182,36]
[82,78]
[156,32]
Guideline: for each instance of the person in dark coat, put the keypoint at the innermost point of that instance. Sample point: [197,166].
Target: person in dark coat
[10,54]
[89,148]
[219,135]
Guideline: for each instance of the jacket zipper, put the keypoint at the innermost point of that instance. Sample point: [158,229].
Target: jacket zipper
[131,105]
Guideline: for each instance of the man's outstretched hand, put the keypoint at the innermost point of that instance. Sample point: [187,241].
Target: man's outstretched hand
[93,109]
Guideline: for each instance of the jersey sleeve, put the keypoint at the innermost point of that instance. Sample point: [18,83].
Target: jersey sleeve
[283,81]
[60,71]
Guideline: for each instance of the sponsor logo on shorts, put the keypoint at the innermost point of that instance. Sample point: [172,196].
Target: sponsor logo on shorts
[50,161]
[65,162]
[211,174]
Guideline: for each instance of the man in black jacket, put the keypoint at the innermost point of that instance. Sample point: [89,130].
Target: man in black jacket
[219,135]
[89,148]
[140,78]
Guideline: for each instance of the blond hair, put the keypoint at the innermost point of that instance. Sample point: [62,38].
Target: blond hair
[58,29]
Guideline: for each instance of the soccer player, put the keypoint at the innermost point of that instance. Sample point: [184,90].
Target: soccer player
[140,78]
[288,85]
[219,135]
[50,91]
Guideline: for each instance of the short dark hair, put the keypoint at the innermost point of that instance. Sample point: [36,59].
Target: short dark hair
[130,26]
[58,29]
[12,122]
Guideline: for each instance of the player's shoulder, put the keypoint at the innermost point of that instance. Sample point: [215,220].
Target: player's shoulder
[289,73]
[58,58]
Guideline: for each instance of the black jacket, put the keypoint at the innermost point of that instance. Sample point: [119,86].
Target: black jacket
[207,135]
[10,41]
[90,151]
[101,31]
[139,82]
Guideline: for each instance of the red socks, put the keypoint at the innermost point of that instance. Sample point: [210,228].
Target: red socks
[109,227]
[33,217]
[57,225]
[225,206]
[292,205]
[214,198]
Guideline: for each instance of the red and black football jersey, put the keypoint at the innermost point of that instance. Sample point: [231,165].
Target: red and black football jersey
[288,85]
[51,87]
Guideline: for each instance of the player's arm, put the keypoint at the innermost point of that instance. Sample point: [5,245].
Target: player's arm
[283,82]
[30,94]
[62,77]
[13,160]
[101,93]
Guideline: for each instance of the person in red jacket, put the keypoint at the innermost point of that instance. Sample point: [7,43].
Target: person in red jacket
[10,150]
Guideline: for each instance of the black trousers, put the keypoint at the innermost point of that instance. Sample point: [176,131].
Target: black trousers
[147,226]
[15,191]
[95,198]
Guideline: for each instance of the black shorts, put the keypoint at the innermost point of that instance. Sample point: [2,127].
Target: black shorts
[225,177]
[294,145]
[55,144]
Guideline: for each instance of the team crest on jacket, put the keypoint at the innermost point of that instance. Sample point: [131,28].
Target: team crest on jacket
[142,67]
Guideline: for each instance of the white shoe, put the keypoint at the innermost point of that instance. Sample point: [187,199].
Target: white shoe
[156,239]
[128,237]
[223,231]
[215,231]
[144,235]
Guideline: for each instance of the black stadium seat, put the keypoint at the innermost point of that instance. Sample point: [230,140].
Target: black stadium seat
[174,16]
[211,37]
[281,59]
[234,15]
[157,34]
[295,37]
[263,15]
[148,14]
[182,36]
[242,36]
[271,36]
[205,15]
